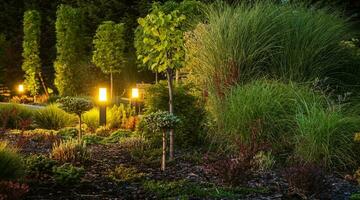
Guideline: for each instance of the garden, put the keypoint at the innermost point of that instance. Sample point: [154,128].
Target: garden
[180,100]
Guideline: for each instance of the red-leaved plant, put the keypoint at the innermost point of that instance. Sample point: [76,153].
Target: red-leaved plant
[10,190]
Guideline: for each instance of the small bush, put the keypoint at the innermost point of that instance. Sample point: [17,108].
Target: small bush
[118,116]
[116,136]
[10,190]
[39,165]
[71,151]
[102,131]
[91,119]
[11,163]
[306,180]
[92,139]
[68,133]
[126,174]
[68,174]
[52,117]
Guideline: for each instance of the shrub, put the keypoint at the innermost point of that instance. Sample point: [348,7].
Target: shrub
[39,165]
[118,116]
[72,151]
[68,174]
[325,137]
[52,117]
[11,163]
[116,136]
[306,180]
[187,108]
[91,119]
[126,174]
[10,190]
[92,139]
[68,133]
[11,116]
[102,131]
[283,41]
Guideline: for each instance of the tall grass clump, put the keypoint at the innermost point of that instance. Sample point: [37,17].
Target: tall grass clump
[264,108]
[325,137]
[52,117]
[291,42]
[14,116]
[11,163]
[91,119]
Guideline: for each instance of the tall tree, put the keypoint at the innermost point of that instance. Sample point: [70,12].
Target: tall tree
[31,52]
[70,46]
[109,46]
[163,49]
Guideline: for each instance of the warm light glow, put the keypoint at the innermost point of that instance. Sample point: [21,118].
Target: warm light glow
[21,88]
[102,94]
[135,93]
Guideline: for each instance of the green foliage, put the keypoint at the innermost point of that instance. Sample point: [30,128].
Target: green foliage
[125,174]
[91,119]
[183,189]
[12,115]
[52,117]
[68,174]
[31,50]
[160,121]
[284,41]
[72,151]
[326,137]
[187,107]
[38,165]
[162,41]
[103,131]
[68,133]
[109,47]
[70,47]
[11,163]
[355,196]
[92,139]
[116,136]
[75,105]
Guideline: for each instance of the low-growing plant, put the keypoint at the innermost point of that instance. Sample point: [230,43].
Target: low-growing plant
[71,151]
[263,161]
[123,174]
[132,142]
[92,139]
[91,119]
[68,133]
[39,165]
[52,117]
[11,115]
[11,163]
[103,131]
[68,175]
[10,190]
[116,136]
[305,179]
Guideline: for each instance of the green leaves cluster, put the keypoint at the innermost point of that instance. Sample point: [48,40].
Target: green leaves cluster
[160,120]
[75,105]
[31,50]
[109,47]
[70,47]
[162,44]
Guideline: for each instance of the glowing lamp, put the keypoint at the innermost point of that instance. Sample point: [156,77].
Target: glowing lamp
[21,88]
[102,95]
[135,93]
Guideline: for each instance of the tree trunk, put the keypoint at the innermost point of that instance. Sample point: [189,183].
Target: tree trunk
[80,131]
[171,109]
[177,76]
[156,77]
[43,84]
[163,158]
[111,86]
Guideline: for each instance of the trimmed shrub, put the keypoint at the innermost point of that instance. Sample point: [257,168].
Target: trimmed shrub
[187,108]
[52,117]
[11,163]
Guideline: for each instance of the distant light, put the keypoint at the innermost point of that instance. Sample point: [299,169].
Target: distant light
[135,93]
[21,88]
[102,95]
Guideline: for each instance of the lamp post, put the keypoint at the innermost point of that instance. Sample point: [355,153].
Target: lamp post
[102,109]
[21,89]
[135,96]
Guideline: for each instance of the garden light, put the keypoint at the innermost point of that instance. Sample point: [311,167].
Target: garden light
[102,95]
[135,93]
[21,88]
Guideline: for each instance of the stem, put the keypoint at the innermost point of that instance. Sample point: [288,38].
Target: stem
[111,86]
[163,159]
[43,84]
[171,109]
[80,131]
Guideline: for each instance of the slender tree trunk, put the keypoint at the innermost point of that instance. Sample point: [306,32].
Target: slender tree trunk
[111,86]
[80,131]
[43,84]
[177,76]
[163,158]
[171,109]
[156,77]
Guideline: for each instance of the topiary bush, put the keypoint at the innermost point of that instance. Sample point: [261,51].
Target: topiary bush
[11,163]
[187,108]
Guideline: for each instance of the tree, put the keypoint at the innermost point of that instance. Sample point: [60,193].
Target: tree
[163,49]
[70,46]
[76,106]
[31,52]
[109,46]
[161,121]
